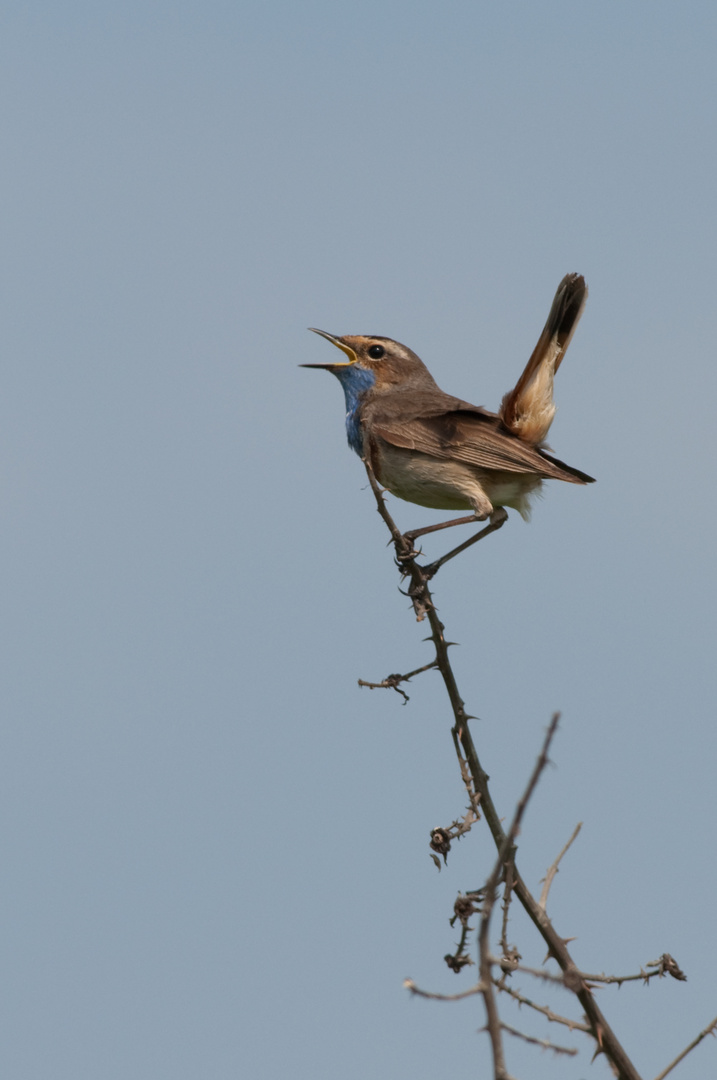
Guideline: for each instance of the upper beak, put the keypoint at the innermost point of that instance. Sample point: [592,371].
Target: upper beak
[352,357]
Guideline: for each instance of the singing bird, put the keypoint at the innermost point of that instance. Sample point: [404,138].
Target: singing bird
[436,450]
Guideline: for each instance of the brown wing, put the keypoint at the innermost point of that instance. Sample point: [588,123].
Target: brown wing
[477,438]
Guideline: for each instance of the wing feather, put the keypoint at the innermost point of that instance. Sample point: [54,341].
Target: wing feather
[476,438]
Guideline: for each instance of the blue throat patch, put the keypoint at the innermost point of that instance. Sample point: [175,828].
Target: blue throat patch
[356,381]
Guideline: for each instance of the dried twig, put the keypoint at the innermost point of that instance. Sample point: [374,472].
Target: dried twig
[466,777]
[539,973]
[391,682]
[555,1018]
[711,1029]
[503,866]
[545,1044]
[410,985]
[666,965]
[509,954]
[463,909]
[459,959]
[553,869]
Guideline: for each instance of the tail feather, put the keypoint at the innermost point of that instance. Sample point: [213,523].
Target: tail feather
[528,409]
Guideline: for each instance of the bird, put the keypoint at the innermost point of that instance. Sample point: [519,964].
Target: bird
[430,448]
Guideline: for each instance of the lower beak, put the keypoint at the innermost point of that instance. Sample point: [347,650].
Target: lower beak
[352,358]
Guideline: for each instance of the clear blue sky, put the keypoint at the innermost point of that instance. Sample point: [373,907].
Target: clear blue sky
[214,845]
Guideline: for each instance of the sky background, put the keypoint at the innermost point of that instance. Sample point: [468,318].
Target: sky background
[213,843]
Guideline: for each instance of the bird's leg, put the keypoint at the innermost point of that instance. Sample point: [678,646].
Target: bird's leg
[497,519]
[468,520]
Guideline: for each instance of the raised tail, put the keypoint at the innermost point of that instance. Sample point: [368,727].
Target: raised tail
[528,409]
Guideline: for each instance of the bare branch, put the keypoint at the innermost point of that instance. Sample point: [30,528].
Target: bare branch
[545,1044]
[410,985]
[463,909]
[540,764]
[503,867]
[538,973]
[493,1024]
[466,777]
[553,869]
[391,682]
[555,1018]
[509,953]
[666,965]
[711,1029]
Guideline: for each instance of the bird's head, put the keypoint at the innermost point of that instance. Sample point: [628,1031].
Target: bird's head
[375,362]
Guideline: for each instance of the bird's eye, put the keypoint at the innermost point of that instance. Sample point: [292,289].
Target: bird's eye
[376,352]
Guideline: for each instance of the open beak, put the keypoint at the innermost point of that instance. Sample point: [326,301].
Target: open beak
[340,344]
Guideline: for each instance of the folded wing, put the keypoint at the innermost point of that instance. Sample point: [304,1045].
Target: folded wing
[477,438]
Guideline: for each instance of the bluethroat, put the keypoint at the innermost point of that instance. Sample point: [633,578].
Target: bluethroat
[429,448]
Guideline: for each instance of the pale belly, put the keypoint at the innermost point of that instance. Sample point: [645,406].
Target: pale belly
[453,485]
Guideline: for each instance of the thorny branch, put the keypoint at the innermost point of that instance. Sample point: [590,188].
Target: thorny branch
[537,973]
[477,785]
[504,865]
[392,682]
[573,1025]
[510,955]
[464,907]
[666,965]
[544,1044]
